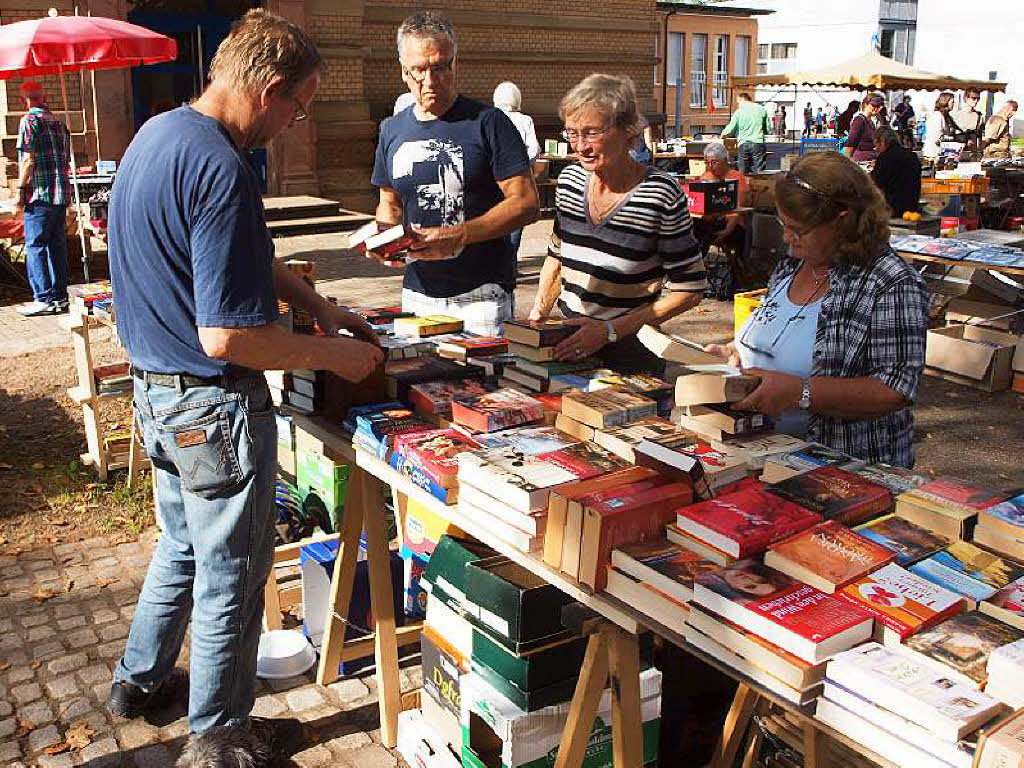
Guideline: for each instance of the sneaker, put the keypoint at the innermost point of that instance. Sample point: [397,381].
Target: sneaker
[60,307]
[36,309]
[128,701]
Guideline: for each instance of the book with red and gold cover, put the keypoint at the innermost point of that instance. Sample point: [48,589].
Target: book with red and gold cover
[828,556]
[623,516]
[745,523]
[497,410]
[790,614]
[435,453]
[428,325]
[435,398]
[903,602]
[949,492]
[472,346]
[835,494]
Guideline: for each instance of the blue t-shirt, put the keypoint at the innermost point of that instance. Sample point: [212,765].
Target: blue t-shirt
[188,243]
[787,331]
[446,172]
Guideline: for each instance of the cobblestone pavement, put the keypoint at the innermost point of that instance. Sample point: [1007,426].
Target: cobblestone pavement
[57,655]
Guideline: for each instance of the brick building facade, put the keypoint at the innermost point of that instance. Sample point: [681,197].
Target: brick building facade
[545,46]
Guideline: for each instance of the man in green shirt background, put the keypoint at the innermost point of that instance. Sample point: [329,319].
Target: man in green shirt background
[750,124]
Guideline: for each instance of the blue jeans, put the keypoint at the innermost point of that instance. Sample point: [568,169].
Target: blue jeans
[751,157]
[213,450]
[46,252]
[516,236]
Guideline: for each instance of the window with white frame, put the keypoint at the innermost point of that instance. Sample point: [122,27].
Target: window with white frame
[698,70]
[721,89]
[741,56]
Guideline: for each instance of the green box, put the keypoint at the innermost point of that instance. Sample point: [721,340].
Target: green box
[513,605]
[533,671]
[326,480]
[557,692]
[446,570]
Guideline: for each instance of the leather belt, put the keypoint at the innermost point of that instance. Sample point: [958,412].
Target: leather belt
[177,380]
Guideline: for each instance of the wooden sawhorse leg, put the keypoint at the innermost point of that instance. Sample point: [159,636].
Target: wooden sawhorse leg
[744,706]
[363,508]
[615,653]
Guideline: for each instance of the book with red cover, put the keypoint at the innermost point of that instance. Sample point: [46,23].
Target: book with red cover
[622,516]
[383,239]
[111,370]
[435,397]
[745,523]
[435,452]
[951,492]
[828,556]
[835,494]
[790,614]
[903,602]
[472,346]
[497,410]
[381,316]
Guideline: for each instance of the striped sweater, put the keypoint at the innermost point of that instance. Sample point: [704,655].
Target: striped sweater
[645,244]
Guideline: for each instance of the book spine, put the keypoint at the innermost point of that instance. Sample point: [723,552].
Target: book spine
[419,478]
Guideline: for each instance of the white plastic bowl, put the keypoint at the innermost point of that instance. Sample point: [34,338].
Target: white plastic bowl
[283,653]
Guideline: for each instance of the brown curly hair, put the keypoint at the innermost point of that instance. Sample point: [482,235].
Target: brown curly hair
[839,185]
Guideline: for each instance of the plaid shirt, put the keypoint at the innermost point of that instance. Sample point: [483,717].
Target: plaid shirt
[47,138]
[873,322]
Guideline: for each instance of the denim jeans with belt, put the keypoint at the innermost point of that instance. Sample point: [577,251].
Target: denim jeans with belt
[213,452]
[46,252]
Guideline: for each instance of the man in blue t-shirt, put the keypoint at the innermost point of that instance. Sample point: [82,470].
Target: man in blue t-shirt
[457,171]
[196,287]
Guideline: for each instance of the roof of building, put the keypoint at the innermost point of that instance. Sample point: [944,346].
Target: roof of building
[688,6]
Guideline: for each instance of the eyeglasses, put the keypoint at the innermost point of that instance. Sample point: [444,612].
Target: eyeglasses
[797,234]
[300,112]
[419,74]
[587,134]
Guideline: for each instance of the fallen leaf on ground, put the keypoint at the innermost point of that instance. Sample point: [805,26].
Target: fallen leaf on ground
[36,664]
[38,465]
[56,749]
[24,728]
[43,595]
[105,582]
[5,666]
[79,735]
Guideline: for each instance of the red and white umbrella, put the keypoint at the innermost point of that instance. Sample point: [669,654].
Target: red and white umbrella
[56,45]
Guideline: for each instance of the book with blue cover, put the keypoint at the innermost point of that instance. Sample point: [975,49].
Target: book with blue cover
[969,570]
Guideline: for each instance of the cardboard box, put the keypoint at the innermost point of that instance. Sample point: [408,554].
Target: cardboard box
[325,479]
[1000,317]
[534,671]
[704,197]
[553,693]
[421,746]
[971,355]
[513,605]
[445,574]
[423,529]
[446,725]
[498,734]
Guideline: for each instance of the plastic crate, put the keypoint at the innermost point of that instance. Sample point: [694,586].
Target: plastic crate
[974,186]
[807,146]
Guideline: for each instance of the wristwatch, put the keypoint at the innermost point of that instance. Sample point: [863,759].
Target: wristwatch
[610,327]
[805,395]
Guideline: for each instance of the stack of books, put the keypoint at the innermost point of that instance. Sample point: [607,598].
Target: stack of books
[906,710]
[1005,670]
[433,399]
[1007,604]
[543,376]
[969,571]
[536,341]
[493,411]
[468,345]
[1002,744]
[404,347]
[376,429]
[1000,527]
[303,390]
[602,409]
[771,627]
[828,556]
[430,460]
[426,326]
[947,506]
[738,525]
[401,375]
[755,449]
[113,378]
[835,494]
[387,240]
[622,440]
[508,489]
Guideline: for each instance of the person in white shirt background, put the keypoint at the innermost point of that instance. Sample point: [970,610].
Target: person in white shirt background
[509,99]
[936,125]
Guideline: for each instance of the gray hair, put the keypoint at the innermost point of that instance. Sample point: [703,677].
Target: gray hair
[430,25]
[716,151]
[507,96]
[614,96]
[887,135]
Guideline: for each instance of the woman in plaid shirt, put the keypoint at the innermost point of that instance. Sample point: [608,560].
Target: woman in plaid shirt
[839,339]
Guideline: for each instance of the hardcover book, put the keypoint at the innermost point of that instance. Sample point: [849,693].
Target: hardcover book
[897,479]
[903,602]
[429,325]
[497,410]
[745,523]
[835,495]
[794,616]
[435,398]
[946,505]
[828,556]
[607,407]
[402,374]
[383,239]
[963,644]
[547,369]
[908,540]
[662,564]
[538,333]
[523,481]
[623,516]
[968,570]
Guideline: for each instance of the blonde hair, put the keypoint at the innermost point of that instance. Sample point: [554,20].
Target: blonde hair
[262,46]
[613,96]
[839,185]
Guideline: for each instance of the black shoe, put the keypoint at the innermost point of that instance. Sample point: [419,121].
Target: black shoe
[129,701]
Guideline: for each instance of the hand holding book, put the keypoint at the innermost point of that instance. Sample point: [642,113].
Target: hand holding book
[333,319]
[439,243]
[778,392]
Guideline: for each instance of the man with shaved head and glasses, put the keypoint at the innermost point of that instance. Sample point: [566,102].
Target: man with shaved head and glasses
[457,172]
[839,339]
